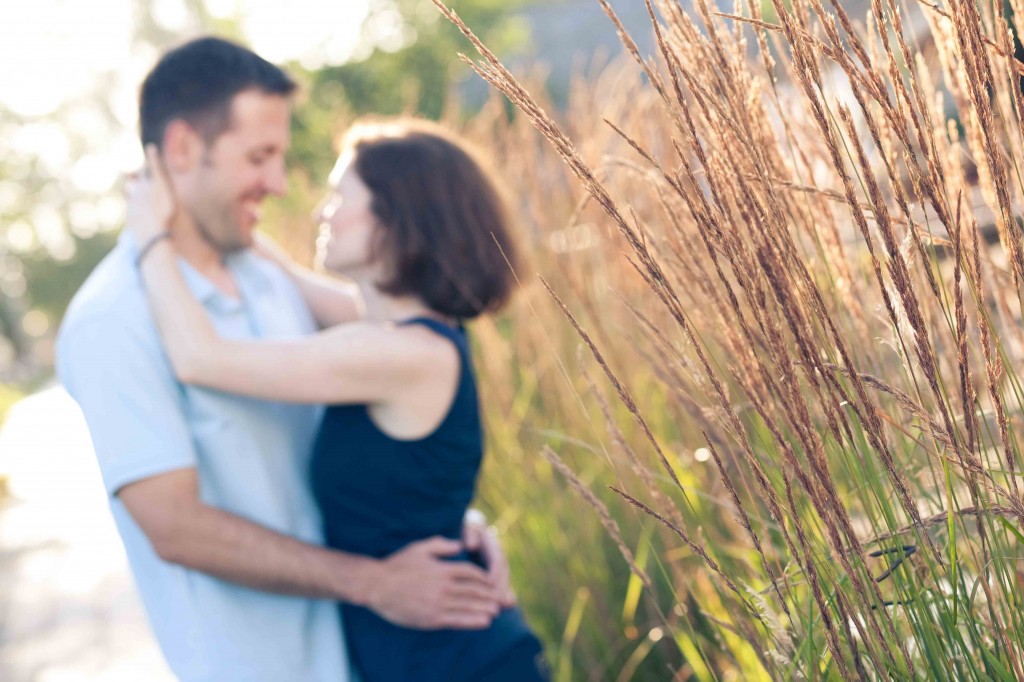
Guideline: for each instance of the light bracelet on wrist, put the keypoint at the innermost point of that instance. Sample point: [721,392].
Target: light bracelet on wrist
[144,251]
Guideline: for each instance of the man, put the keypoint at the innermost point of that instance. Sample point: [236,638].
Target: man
[208,490]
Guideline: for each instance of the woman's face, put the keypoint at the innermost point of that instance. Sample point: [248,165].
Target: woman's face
[347,223]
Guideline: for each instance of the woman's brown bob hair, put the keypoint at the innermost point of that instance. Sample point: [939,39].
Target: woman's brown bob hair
[444,233]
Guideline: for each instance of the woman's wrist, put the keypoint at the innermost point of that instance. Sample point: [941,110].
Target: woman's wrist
[272,251]
[147,246]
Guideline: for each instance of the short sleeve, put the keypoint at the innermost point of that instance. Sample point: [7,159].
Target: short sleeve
[117,373]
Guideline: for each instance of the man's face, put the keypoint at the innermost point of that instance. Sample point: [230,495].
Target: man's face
[244,164]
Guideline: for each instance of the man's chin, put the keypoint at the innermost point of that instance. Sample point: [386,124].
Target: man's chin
[227,244]
[236,247]
[244,242]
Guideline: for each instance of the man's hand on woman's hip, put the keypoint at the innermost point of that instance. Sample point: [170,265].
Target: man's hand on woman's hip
[415,587]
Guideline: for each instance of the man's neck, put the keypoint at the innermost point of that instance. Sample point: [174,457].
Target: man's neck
[202,256]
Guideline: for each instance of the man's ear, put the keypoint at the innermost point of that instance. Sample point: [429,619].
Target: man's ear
[183,147]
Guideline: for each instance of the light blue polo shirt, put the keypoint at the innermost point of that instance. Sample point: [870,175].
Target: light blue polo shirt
[251,457]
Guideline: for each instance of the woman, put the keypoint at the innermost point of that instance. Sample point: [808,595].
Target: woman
[417,223]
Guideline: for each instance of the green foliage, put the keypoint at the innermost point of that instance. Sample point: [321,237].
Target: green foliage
[411,72]
[416,76]
[54,282]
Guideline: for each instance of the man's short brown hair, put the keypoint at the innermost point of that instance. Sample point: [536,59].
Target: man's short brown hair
[197,82]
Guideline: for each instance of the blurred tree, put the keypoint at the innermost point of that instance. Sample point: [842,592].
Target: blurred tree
[59,215]
[60,204]
[407,63]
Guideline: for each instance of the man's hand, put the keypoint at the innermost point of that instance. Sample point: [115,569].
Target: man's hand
[478,537]
[417,588]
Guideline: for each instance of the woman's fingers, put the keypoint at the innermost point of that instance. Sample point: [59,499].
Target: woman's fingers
[161,194]
[152,159]
[155,166]
[470,573]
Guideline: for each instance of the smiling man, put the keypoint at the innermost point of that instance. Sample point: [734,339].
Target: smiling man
[209,490]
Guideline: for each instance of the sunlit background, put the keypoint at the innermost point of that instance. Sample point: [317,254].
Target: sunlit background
[68,89]
[69,76]
[68,125]
[68,117]
[636,482]
[75,67]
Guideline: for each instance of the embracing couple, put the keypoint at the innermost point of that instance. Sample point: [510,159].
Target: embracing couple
[272,539]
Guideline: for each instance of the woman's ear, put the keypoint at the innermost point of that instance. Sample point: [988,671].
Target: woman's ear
[183,147]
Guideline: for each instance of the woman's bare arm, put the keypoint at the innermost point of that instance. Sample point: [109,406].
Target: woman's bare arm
[357,362]
[332,299]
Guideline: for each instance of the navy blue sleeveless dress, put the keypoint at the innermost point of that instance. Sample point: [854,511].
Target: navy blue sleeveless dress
[377,495]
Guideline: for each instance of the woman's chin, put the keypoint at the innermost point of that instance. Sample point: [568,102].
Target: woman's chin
[341,266]
[334,264]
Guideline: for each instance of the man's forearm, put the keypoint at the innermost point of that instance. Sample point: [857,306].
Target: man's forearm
[231,548]
[414,586]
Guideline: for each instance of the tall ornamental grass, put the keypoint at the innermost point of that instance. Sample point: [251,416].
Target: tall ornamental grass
[756,412]
[759,415]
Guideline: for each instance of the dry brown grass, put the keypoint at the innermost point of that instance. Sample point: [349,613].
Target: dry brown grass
[763,347]
[770,247]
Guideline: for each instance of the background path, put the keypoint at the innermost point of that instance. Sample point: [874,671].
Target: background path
[68,608]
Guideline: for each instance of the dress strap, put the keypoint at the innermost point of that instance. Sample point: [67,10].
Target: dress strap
[443,328]
[456,334]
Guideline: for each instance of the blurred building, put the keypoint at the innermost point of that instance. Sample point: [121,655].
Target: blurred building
[567,37]
[570,36]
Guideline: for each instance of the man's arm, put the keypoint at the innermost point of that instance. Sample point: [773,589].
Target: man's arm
[414,587]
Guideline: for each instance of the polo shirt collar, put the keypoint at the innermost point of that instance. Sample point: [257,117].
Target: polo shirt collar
[205,291]
[250,272]
[249,278]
